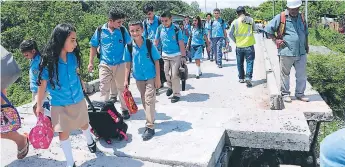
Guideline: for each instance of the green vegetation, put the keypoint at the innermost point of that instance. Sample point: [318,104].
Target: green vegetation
[327,75]
[326,37]
[36,20]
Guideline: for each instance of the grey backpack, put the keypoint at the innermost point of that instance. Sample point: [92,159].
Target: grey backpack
[10,70]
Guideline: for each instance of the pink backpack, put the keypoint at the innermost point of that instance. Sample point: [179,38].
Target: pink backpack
[42,134]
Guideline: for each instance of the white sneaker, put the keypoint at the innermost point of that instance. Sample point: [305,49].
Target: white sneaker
[303,98]
[287,99]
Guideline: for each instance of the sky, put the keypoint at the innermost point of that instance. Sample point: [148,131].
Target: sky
[211,4]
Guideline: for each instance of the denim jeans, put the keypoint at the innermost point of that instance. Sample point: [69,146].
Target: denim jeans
[217,43]
[247,53]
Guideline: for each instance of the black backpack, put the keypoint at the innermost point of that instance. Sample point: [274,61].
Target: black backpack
[145,25]
[106,121]
[99,32]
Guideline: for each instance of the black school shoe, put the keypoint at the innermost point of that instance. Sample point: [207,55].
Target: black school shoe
[169,92]
[175,99]
[148,134]
[113,99]
[125,114]
[92,147]
[249,83]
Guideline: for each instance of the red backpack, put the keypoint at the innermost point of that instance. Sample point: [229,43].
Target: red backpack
[282,24]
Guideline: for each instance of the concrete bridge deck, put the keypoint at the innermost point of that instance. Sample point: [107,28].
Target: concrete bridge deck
[193,131]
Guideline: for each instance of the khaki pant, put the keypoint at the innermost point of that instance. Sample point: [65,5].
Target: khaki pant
[107,75]
[113,90]
[171,69]
[148,97]
[300,64]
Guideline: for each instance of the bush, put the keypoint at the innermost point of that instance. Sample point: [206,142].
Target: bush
[327,75]
[328,38]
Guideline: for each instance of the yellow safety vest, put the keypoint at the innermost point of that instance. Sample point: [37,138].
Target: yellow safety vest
[243,34]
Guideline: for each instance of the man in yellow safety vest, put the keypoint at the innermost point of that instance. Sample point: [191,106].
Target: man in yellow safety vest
[241,32]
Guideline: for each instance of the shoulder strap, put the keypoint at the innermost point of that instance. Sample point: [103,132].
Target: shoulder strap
[176,29]
[159,29]
[281,27]
[159,21]
[303,21]
[5,98]
[130,50]
[145,26]
[123,34]
[149,49]
[99,33]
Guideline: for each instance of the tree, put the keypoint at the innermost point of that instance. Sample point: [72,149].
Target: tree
[229,14]
[195,8]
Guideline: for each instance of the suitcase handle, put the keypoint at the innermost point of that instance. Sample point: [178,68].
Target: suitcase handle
[85,95]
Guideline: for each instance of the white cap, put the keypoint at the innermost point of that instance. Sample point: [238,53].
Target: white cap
[293,3]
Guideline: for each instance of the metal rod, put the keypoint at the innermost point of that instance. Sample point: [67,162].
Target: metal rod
[314,141]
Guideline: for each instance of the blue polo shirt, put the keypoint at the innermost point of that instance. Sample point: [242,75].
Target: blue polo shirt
[168,39]
[69,90]
[33,72]
[332,150]
[294,36]
[143,67]
[198,36]
[217,28]
[186,32]
[112,45]
[151,28]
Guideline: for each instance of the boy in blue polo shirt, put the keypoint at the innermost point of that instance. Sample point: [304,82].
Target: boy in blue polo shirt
[150,26]
[172,49]
[186,33]
[217,35]
[112,44]
[30,51]
[145,59]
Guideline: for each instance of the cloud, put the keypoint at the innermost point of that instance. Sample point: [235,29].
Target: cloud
[221,4]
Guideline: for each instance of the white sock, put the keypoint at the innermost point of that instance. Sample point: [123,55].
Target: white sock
[199,68]
[67,150]
[197,71]
[88,136]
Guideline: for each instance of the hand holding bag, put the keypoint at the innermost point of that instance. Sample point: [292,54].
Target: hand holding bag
[42,134]
[130,103]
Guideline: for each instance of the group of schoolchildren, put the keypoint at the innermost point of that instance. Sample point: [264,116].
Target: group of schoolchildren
[150,48]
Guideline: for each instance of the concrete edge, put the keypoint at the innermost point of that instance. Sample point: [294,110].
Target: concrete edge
[216,155]
[276,101]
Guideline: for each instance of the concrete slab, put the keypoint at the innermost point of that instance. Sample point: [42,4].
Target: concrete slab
[316,109]
[271,129]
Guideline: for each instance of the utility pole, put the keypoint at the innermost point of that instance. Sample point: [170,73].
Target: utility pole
[216,5]
[306,12]
[205,7]
[274,7]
